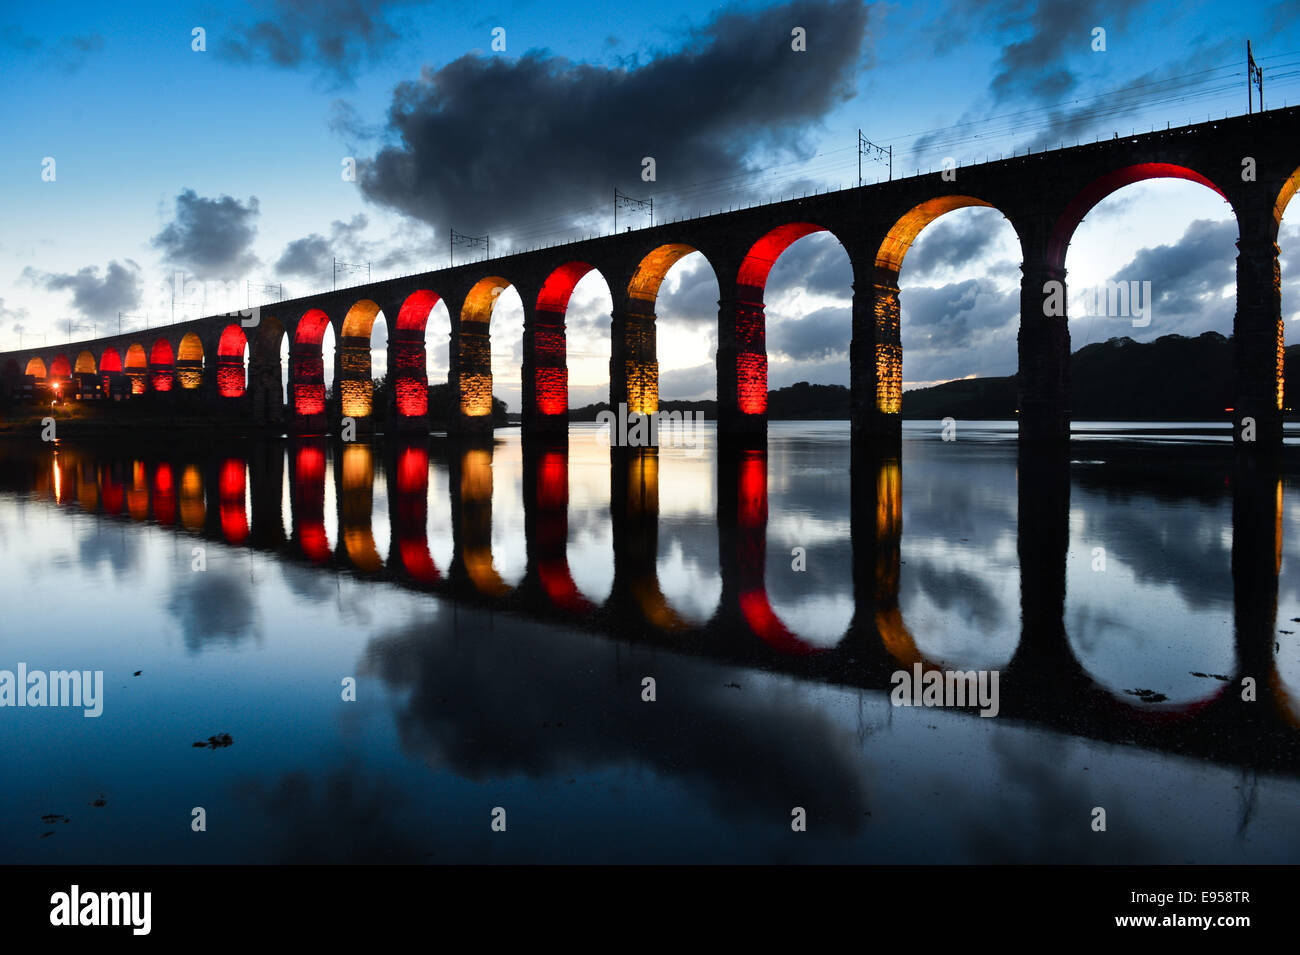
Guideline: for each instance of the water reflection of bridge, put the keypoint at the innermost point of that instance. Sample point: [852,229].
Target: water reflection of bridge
[236,495]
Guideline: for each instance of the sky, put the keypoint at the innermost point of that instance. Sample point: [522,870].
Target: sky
[212,140]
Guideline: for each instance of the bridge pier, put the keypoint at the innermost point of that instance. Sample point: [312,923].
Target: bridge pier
[408,380]
[1258,334]
[876,361]
[633,359]
[354,389]
[545,373]
[742,364]
[1043,382]
[306,390]
[471,377]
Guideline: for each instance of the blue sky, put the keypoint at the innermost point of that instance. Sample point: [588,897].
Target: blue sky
[149,137]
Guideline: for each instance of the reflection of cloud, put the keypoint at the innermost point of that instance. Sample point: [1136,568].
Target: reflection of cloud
[213,607]
[494,701]
[111,545]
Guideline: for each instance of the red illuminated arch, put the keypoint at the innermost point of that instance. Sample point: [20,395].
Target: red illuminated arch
[60,367]
[231,376]
[162,371]
[550,383]
[407,359]
[1100,188]
[751,323]
[307,365]
[110,362]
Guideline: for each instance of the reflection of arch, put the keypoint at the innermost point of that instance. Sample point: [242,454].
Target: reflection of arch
[137,495]
[898,640]
[307,365]
[407,360]
[750,322]
[35,367]
[475,346]
[889,259]
[635,498]
[189,362]
[751,527]
[85,364]
[355,386]
[475,538]
[164,494]
[308,500]
[232,484]
[191,498]
[549,532]
[161,366]
[356,506]
[231,380]
[411,500]
[136,367]
[1103,186]
[635,345]
[60,367]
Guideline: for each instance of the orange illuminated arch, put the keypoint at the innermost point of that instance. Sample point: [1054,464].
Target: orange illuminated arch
[35,367]
[1289,189]
[649,275]
[1103,186]
[475,346]
[356,389]
[136,368]
[189,361]
[85,364]
[476,523]
[906,229]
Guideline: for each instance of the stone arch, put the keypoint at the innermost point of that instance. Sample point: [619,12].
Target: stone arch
[110,362]
[1289,189]
[355,386]
[85,363]
[35,367]
[546,378]
[60,367]
[634,359]
[474,347]
[1101,187]
[231,375]
[307,364]
[136,368]
[888,358]
[408,369]
[742,360]
[162,366]
[189,362]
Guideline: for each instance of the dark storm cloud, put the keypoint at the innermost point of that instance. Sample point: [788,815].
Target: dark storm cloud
[950,316]
[682,384]
[1033,67]
[486,141]
[212,238]
[313,254]
[1188,277]
[336,37]
[94,295]
[819,335]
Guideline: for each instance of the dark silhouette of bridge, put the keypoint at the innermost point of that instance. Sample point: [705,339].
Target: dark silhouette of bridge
[1252,161]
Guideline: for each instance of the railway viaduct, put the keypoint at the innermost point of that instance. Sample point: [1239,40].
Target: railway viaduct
[1252,162]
